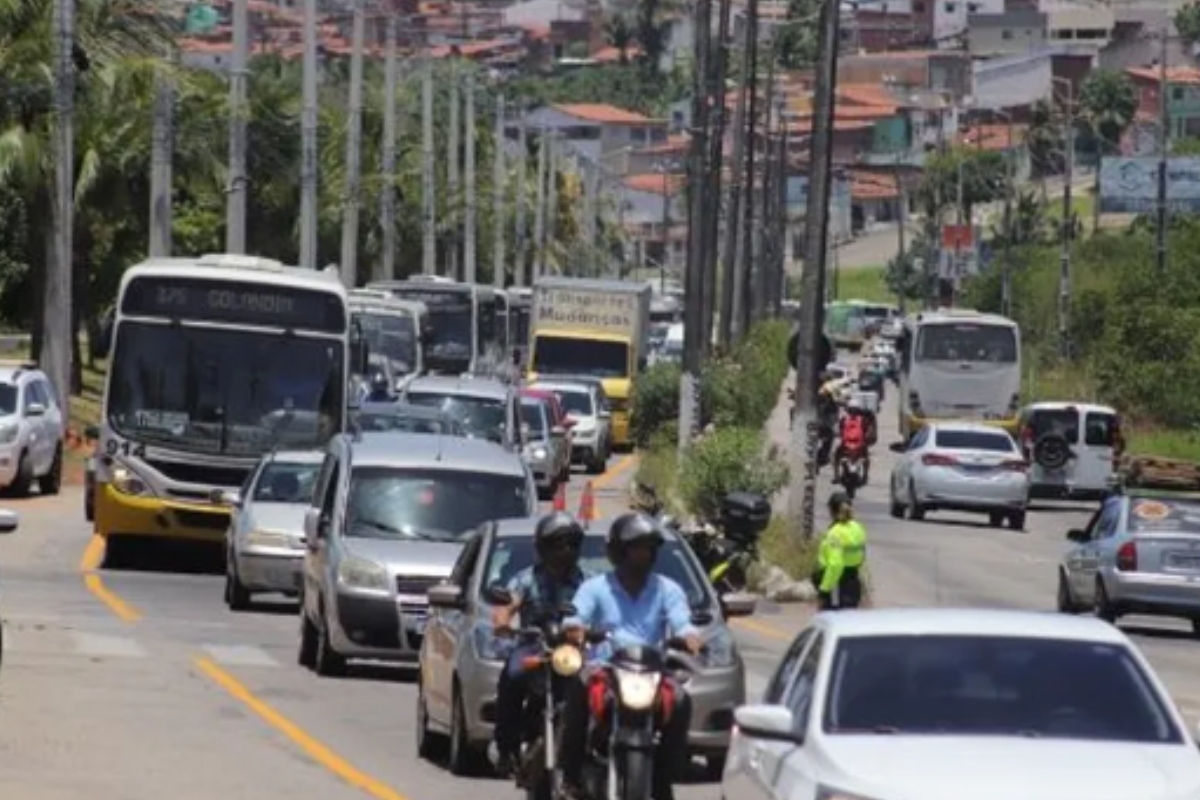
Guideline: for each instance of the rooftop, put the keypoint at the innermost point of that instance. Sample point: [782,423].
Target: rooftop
[603,114]
[460,385]
[970,622]
[423,451]
[1184,75]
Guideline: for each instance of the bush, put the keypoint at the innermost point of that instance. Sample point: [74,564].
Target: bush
[782,546]
[727,460]
[656,402]
[659,468]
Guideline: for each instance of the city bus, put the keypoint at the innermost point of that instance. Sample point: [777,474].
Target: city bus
[393,330]
[960,365]
[214,361]
[464,333]
[846,321]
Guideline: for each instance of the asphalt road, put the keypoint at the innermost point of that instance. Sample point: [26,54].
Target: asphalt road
[140,685]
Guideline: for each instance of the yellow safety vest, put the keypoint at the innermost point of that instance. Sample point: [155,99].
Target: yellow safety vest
[844,545]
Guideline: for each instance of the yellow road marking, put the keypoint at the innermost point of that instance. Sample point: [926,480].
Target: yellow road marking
[614,471]
[93,555]
[761,628]
[313,748]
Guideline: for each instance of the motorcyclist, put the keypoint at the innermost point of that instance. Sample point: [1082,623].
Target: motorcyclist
[828,409]
[856,434]
[635,605]
[841,553]
[381,388]
[537,592]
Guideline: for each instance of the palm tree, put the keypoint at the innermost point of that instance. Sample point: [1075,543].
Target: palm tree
[619,33]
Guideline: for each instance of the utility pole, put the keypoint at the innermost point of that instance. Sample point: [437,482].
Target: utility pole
[1164,120]
[743,297]
[453,187]
[498,176]
[727,330]
[551,230]
[782,233]
[806,427]
[901,221]
[469,229]
[353,150]
[959,213]
[1064,261]
[719,61]
[763,242]
[428,189]
[693,276]
[235,205]
[308,142]
[385,268]
[163,145]
[539,216]
[520,269]
[1006,255]
[57,317]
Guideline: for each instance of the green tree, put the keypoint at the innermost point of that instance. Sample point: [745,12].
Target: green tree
[981,173]
[1187,22]
[798,40]
[1108,102]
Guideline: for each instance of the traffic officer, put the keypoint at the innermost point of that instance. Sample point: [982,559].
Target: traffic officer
[840,556]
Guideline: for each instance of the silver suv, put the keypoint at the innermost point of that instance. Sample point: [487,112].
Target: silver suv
[31,430]
[488,408]
[387,521]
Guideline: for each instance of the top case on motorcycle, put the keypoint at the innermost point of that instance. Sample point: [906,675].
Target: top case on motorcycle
[744,515]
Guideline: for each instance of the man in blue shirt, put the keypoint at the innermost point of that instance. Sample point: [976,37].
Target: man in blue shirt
[635,605]
[538,592]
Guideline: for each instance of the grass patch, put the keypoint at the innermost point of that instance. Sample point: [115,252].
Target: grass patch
[85,406]
[783,546]
[658,468]
[863,283]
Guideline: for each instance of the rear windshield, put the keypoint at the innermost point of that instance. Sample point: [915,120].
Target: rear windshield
[1057,422]
[1166,514]
[974,440]
[964,341]
[1100,429]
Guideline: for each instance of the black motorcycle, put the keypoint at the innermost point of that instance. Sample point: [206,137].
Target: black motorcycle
[728,552]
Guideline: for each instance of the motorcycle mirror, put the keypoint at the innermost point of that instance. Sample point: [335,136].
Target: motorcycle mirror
[497,595]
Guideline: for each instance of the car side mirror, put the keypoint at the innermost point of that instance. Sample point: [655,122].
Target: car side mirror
[445,595]
[498,595]
[1077,535]
[558,431]
[225,497]
[898,447]
[316,526]
[737,604]
[35,410]
[769,722]
[9,520]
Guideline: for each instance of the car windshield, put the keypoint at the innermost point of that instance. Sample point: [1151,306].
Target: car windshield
[441,505]
[575,401]
[533,414]
[8,398]
[556,356]
[286,482]
[391,336]
[408,423]
[959,685]
[964,341]
[234,392]
[481,417]
[974,440]
[511,554]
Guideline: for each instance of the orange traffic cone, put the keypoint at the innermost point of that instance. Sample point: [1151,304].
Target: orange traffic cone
[587,504]
[560,498]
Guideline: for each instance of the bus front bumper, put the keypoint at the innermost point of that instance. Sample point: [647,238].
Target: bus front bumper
[120,514]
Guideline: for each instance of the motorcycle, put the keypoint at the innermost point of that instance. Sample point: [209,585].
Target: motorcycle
[630,701]
[852,471]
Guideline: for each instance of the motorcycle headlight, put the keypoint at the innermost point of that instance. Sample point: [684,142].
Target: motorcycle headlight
[8,434]
[566,660]
[126,481]
[363,575]
[489,646]
[637,689]
[721,651]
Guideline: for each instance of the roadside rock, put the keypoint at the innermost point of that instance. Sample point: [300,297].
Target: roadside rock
[778,587]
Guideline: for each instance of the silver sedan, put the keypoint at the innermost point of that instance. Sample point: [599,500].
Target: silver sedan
[961,466]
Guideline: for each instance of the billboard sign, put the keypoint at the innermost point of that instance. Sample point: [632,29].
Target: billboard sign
[1130,185]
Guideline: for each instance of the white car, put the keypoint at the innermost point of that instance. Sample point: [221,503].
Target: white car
[961,466]
[591,444]
[943,704]
[31,430]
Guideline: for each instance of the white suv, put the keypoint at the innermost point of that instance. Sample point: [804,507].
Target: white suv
[31,430]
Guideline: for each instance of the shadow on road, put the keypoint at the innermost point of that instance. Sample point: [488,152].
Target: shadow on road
[154,555]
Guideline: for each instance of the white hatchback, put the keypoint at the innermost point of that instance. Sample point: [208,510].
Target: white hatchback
[942,704]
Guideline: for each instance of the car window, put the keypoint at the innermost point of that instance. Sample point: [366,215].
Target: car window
[783,673]
[332,479]
[998,442]
[576,402]
[483,417]
[8,398]
[919,439]
[1106,526]
[799,694]
[464,567]
[1000,686]
[1100,429]
[39,393]
[1054,422]
[533,414]
[49,393]
[285,482]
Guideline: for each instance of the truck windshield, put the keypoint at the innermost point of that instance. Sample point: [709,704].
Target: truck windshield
[227,391]
[558,356]
[393,336]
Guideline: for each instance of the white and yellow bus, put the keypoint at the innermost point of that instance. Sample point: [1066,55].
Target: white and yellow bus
[213,361]
[962,365]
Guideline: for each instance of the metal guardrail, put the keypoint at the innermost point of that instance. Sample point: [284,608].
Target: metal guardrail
[1157,472]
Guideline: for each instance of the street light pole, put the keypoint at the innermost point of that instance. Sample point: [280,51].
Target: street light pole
[1066,230]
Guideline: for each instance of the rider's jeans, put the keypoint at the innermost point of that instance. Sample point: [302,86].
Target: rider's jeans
[511,691]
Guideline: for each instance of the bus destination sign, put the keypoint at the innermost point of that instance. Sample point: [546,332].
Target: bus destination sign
[235,303]
[434,298]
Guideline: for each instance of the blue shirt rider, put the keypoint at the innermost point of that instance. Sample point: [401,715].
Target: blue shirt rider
[537,592]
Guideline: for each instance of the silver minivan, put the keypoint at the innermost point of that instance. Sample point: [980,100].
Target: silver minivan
[1072,449]
[387,521]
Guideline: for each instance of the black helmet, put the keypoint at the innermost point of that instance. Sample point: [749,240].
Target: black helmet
[837,500]
[557,528]
[634,528]
[380,381]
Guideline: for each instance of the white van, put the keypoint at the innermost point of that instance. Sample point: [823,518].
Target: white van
[1063,464]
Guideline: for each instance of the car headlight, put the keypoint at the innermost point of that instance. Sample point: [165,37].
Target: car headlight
[8,434]
[359,573]
[720,649]
[537,453]
[489,646]
[126,481]
[267,539]
[828,793]
[637,690]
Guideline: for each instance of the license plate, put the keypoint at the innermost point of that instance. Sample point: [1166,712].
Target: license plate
[1184,561]
[977,469]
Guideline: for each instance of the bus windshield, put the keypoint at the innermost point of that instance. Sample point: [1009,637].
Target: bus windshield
[393,336]
[967,341]
[450,330]
[224,391]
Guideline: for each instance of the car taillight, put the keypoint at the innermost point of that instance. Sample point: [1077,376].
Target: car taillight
[938,460]
[1127,557]
[1015,465]
[597,693]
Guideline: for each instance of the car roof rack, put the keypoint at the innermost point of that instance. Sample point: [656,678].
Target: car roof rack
[1158,472]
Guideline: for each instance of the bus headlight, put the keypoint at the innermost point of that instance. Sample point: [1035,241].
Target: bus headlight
[126,481]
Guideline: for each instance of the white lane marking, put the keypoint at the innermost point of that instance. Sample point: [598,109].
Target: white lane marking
[98,646]
[240,655]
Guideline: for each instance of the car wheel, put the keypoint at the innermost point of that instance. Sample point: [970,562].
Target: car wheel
[430,745]
[464,758]
[306,656]
[895,507]
[996,519]
[916,512]
[1102,607]
[1065,602]
[51,482]
[237,596]
[1016,520]
[599,462]
[1196,628]
[24,479]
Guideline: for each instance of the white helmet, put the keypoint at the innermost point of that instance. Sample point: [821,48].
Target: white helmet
[855,402]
